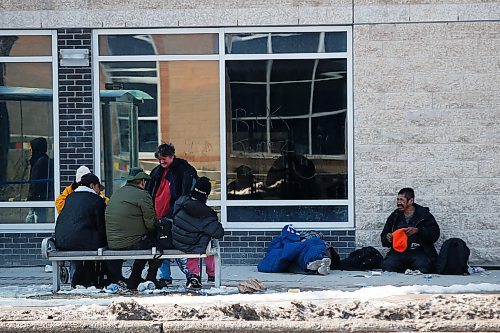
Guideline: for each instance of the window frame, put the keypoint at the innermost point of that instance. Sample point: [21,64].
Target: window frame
[53,59]
[222,57]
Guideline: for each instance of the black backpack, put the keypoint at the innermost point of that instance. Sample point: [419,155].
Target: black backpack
[453,258]
[362,259]
[163,234]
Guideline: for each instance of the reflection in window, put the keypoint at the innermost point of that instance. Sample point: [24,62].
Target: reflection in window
[286,42]
[183,96]
[26,135]
[287,214]
[290,136]
[145,44]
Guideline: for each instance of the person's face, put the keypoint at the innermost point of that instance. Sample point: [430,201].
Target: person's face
[403,203]
[96,188]
[165,161]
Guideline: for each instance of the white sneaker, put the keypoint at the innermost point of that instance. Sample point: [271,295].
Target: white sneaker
[323,269]
[315,265]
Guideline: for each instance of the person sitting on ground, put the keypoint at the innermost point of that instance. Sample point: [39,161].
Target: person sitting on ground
[287,253]
[80,226]
[130,219]
[410,231]
[61,199]
[194,225]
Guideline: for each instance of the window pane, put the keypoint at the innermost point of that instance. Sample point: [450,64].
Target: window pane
[148,135]
[112,45]
[286,214]
[296,150]
[25,46]
[27,215]
[286,42]
[187,106]
[26,132]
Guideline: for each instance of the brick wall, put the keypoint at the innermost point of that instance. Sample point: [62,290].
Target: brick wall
[75,108]
[19,249]
[426,112]
[249,247]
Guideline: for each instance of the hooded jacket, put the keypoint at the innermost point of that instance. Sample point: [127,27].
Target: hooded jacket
[39,189]
[428,230]
[194,225]
[80,226]
[182,177]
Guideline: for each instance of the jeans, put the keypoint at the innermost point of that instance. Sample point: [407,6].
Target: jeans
[165,272]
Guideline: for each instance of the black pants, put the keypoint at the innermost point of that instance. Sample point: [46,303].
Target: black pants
[115,266]
[400,262]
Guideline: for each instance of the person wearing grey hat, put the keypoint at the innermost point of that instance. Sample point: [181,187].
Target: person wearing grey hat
[130,219]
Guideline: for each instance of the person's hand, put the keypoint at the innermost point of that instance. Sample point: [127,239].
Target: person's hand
[410,231]
[389,237]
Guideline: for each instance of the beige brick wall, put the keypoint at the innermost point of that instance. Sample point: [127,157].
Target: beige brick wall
[427,115]
[426,93]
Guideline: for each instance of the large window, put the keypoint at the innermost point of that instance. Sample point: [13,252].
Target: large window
[27,140]
[267,115]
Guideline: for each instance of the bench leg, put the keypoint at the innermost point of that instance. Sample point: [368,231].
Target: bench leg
[56,271]
[218,269]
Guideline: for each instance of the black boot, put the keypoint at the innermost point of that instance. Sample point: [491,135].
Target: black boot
[136,275]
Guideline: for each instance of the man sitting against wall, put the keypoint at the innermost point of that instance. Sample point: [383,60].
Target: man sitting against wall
[410,232]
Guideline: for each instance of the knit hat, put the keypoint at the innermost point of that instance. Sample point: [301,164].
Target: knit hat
[399,240]
[90,178]
[201,189]
[137,173]
[83,170]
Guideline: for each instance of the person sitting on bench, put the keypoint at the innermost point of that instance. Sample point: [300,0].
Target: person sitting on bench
[80,226]
[130,218]
[194,225]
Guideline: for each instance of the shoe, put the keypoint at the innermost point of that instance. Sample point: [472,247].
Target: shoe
[166,281]
[133,283]
[314,265]
[323,269]
[160,284]
[211,279]
[194,282]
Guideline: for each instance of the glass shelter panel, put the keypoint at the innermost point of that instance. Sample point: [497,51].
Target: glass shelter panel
[183,96]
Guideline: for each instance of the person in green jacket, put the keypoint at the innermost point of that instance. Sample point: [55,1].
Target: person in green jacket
[130,219]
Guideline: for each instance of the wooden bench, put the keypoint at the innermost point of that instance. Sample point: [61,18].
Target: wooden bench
[58,257]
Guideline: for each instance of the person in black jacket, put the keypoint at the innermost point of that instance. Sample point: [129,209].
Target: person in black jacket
[80,226]
[171,179]
[415,248]
[194,225]
[40,188]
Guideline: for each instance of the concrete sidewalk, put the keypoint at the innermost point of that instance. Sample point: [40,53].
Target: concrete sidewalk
[232,275]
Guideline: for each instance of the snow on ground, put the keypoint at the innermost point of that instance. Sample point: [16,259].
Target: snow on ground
[41,295]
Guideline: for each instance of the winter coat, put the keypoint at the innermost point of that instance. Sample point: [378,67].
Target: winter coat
[40,189]
[428,230]
[182,177]
[130,216]
[287,249]
[194,225]
[80,226]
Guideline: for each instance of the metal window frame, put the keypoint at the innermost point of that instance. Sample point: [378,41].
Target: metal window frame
[53,59]
[223,202]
